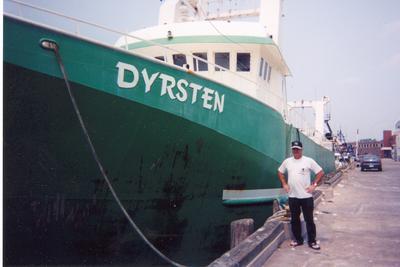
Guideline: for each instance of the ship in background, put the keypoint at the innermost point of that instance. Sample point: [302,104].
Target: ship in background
[177,113]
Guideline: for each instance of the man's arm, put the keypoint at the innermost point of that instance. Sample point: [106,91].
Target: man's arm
[318,177]
[283,182]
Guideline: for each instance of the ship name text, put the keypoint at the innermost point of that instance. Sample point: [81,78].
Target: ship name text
[180,90]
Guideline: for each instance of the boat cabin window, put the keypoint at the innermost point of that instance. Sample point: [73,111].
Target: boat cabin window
[261,67]
[160,58]
[179,59]
[269,73]
[198,64]
[222,59]
[265,70]
[243,62]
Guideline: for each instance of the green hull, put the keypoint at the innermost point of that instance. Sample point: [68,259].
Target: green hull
[168,160]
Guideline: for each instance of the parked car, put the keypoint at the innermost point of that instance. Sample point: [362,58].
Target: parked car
[371,162]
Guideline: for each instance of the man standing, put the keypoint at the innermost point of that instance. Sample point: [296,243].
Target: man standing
[299,188]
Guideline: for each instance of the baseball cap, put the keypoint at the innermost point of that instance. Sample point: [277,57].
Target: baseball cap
[297,144]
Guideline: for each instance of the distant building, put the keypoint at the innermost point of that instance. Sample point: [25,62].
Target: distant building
[388,147]
[388,144]
[368,146]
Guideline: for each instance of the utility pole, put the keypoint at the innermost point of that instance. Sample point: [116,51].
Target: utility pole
[357,145]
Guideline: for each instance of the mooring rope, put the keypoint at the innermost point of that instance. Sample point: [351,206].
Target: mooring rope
[51,45]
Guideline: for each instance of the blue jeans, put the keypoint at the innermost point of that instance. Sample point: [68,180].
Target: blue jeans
[305,205]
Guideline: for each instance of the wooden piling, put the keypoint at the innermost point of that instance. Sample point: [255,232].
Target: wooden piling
[240,230]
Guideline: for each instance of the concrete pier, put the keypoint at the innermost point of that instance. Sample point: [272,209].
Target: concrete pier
[358,224]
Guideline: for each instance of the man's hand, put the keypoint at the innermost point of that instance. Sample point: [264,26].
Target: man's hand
[318,178]
[311,188]
[287,188]
[283,182]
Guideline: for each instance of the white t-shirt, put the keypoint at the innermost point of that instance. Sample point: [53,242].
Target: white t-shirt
[299,175]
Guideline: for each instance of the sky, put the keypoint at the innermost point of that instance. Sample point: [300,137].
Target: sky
[348,50]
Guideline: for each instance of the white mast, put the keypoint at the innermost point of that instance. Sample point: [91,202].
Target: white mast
[270,17]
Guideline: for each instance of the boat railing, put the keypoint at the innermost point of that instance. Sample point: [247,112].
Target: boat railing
[76,31]
[228,10]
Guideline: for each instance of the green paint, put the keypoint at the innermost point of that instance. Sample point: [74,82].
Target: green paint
[210,39]
[248,201]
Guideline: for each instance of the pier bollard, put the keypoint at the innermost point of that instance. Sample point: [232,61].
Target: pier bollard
[240,230]
[275,206]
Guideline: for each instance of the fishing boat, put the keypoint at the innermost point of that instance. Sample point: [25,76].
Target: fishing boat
[148,131]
